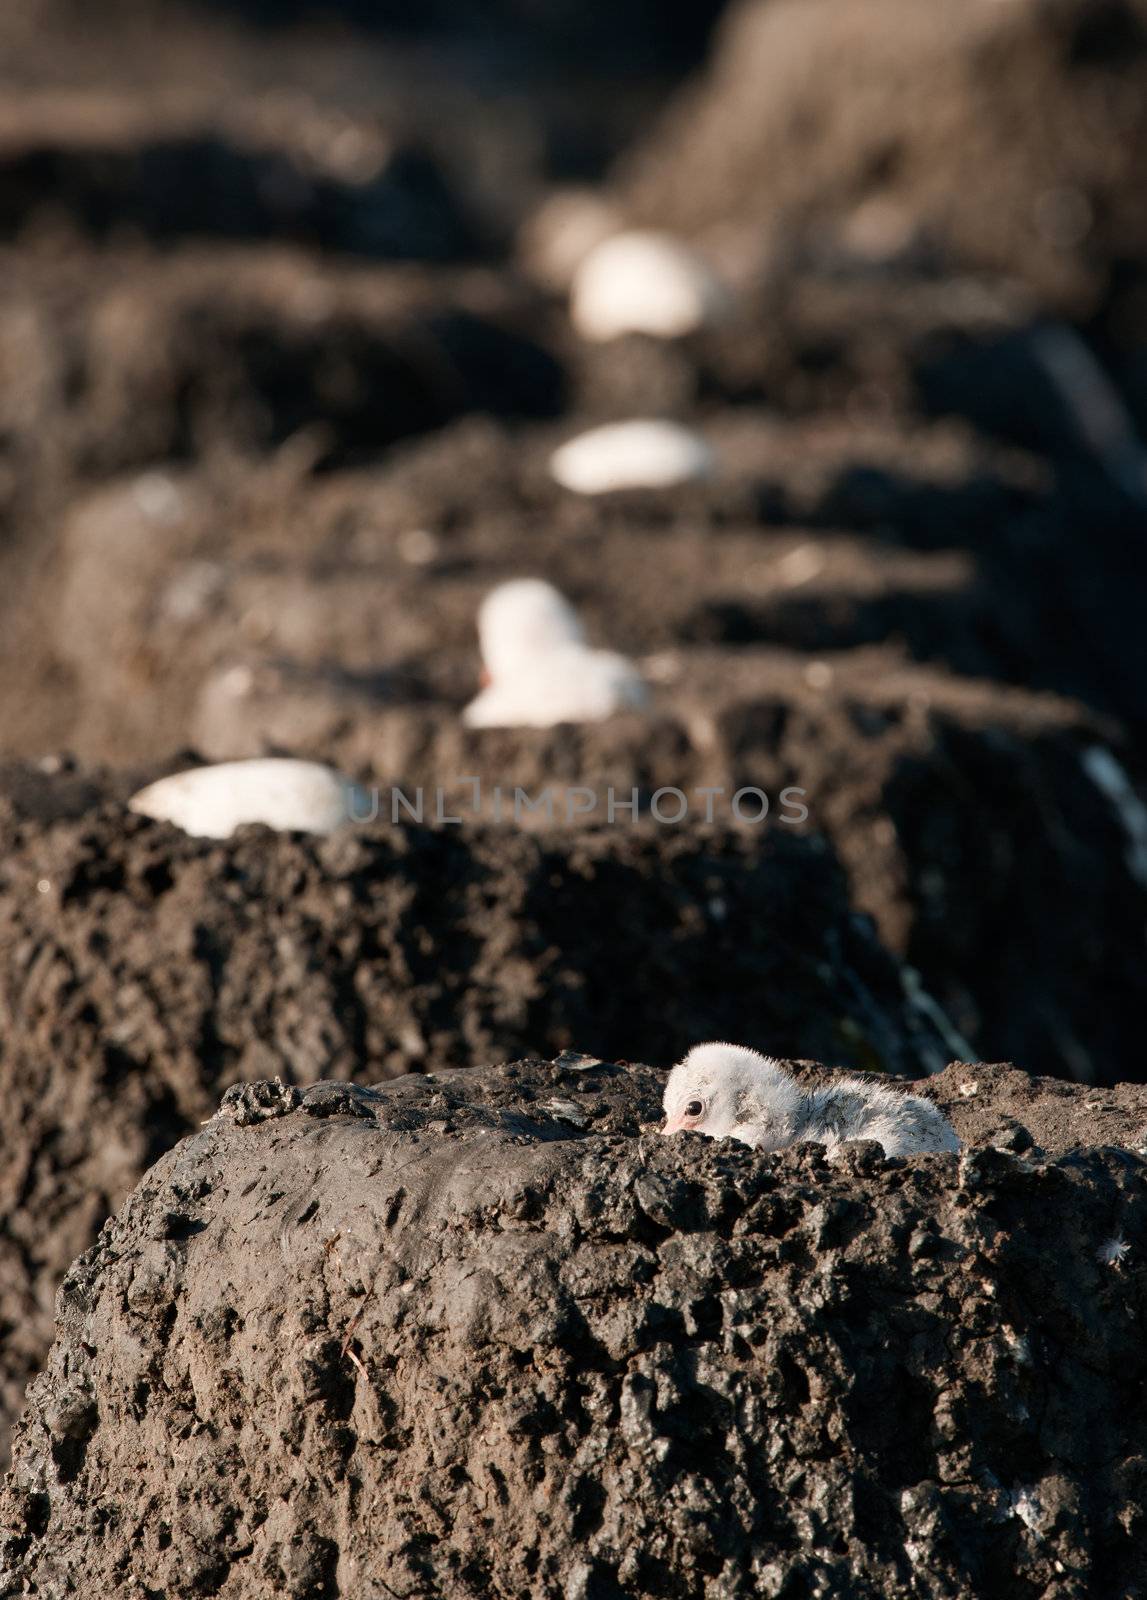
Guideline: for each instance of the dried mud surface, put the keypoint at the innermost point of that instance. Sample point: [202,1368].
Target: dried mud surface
[486,1334]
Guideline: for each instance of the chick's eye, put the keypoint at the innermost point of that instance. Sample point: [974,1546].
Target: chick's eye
[694,1108]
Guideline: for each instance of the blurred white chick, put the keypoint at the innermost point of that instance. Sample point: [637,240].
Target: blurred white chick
[291,796]
[645,282]
[539,670]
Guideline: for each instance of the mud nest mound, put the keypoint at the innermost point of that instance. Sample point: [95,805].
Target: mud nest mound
[145,972]
[485,1334]
[1005,137]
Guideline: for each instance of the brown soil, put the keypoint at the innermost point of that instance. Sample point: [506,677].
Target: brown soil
[239,612]
[276,408]
[999,137]
[145,971]
[485,1334]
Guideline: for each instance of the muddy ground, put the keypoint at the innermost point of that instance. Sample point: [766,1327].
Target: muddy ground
[490,1334]
[282,364]
[143,973]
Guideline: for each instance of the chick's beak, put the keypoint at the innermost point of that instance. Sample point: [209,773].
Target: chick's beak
[673,1125]
[484,678]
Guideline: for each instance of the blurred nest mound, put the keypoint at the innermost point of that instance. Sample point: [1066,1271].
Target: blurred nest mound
[1006,137]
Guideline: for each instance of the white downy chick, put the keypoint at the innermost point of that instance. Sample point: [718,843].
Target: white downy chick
[539,670]
[729,1091]
[643,453]
[291,796]
[641,281]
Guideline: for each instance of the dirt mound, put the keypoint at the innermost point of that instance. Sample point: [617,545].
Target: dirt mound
[333,617]
[137,359]
[819,537]
[968,817]
[1008,137]
[145,971]
[168,169]
[277,410]
[481,1335]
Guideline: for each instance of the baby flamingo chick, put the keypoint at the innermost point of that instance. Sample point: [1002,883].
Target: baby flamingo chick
[727,1091]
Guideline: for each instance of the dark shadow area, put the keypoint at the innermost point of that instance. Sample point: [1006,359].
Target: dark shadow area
[206,186]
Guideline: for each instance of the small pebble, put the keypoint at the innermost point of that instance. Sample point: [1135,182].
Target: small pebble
[569,1111]
[574,1061]
[158,497]
[801,565]
[196,587]
[1014,1139]
[418,546]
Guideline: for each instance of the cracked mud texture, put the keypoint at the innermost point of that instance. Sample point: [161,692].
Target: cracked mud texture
[144,972]
[486,1334]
